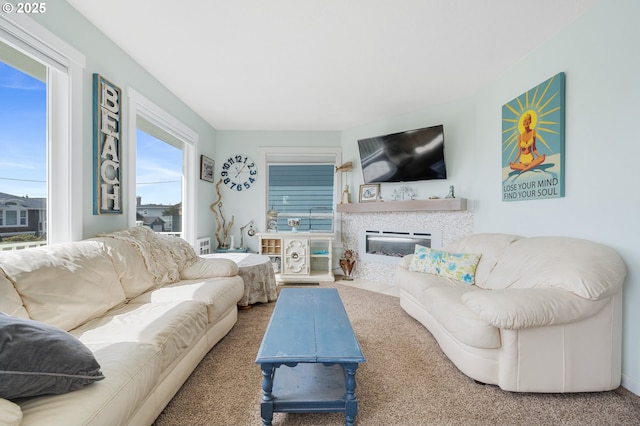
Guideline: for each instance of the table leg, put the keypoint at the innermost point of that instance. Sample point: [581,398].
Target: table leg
[266,406]
[351,402]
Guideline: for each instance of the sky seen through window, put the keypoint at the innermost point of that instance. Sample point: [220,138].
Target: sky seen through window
[23,150]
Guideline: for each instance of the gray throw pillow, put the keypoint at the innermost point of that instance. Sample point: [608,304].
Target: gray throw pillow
[39,359]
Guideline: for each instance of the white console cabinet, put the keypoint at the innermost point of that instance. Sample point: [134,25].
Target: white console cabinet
[303,257]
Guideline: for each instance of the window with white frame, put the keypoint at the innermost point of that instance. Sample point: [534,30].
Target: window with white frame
[155,121]
[14,217]
[23,143]
[302,184]
[31,49]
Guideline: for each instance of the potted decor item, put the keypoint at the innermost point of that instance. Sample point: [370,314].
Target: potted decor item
[347,262]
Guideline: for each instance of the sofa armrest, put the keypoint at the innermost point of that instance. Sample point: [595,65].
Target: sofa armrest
[405,261]
[210,268]
[518,308]
[10,413]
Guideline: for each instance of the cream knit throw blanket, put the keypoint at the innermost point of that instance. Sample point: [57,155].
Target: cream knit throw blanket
[164,255]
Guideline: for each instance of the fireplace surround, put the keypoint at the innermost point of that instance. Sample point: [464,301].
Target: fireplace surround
[450,225]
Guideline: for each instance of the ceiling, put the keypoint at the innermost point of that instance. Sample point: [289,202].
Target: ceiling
[325,64]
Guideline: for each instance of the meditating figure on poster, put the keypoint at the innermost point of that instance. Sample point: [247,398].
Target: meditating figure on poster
[528,156]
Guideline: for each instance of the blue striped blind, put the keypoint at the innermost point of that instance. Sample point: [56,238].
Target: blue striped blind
[302,191]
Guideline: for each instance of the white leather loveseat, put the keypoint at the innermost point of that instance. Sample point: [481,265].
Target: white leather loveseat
[543,314]
[144,305]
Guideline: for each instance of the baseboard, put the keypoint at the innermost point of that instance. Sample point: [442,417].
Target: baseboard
[631,384]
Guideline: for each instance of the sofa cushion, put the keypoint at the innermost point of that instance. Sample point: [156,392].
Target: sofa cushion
[171,326]
[39,359]
[458,266]
[445,305]
[65,284]
[415,284]
[585,268]
[210,268]
[10,302]
[218,294]
[130,266]
[491,246]
[131,369]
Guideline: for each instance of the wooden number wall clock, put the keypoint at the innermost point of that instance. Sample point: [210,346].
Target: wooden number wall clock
[239,172]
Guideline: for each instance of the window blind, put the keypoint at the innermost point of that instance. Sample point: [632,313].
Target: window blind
[302,191]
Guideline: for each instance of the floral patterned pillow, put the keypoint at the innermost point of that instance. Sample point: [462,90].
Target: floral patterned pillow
[459,266]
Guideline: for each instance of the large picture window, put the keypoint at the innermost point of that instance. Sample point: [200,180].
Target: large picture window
[179,145]
[48,202]
[23,143]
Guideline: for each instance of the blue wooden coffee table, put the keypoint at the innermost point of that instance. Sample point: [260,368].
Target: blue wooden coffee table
[309,356]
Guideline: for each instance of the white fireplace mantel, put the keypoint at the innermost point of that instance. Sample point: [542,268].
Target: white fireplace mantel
[438,204]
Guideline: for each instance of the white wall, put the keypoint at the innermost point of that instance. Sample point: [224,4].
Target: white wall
[598,53]
[105,58]
[251,205]
[458,120]
[599,56]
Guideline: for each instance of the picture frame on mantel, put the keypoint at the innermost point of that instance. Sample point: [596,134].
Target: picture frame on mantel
[206,168]
[369,192]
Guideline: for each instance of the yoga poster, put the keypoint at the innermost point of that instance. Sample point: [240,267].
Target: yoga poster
[533,143]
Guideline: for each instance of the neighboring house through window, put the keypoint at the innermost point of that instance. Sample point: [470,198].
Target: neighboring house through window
[14,214]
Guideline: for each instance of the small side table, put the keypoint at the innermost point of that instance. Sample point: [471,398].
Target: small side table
[256,272]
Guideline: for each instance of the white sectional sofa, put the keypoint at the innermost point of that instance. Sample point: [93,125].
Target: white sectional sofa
[539,314]
[146,307]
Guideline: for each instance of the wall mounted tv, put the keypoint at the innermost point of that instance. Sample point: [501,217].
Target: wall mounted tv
[407,156]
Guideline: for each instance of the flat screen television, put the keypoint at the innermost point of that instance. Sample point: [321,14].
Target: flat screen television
[408,156]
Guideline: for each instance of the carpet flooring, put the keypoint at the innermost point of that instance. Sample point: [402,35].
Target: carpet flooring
[406,380]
